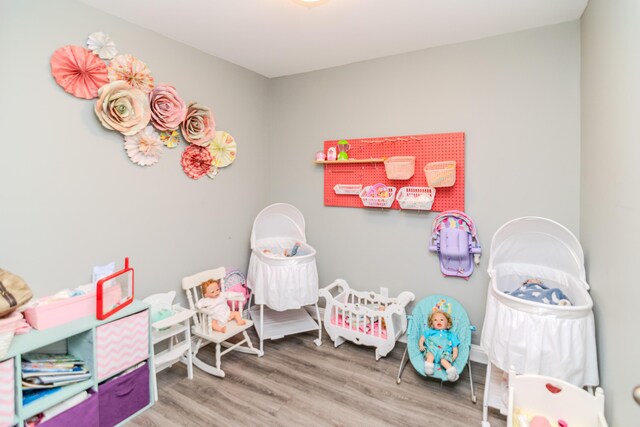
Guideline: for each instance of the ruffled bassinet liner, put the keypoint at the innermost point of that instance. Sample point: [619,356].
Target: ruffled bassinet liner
[283,283]
[558,341]
[543,344]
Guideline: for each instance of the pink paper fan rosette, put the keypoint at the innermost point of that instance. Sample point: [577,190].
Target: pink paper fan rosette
[196,161]
[79,71]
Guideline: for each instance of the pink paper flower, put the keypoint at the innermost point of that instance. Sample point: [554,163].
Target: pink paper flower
[196,161]
[144,147]
[122,108]
[167,108]
[131,70]
[78,71]
[199,126]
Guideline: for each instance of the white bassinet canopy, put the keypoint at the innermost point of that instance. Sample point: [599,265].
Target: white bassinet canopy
[281,282]
[278,221]
[537,241]
[535,338]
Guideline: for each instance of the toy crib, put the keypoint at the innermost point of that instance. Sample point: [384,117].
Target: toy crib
[560,402]
[364,318]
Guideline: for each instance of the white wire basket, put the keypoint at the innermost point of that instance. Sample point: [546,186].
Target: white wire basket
[348,188]
[369,198]
[416,198]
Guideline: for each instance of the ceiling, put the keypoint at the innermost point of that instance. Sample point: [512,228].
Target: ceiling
[280,37]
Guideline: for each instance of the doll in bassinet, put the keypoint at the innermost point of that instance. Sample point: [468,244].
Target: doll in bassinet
[440,344]
[214,303]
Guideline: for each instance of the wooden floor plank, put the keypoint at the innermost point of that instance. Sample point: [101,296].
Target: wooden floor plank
[297,383]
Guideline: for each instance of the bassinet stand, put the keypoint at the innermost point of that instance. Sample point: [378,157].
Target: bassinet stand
[273,325]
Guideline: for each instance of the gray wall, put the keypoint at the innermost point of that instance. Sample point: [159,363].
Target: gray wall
[517,98]
[609,193]
[71,199]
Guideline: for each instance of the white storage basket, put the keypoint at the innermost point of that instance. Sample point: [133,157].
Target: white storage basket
[371,201]
[347,188]
[440,174]
[416,198]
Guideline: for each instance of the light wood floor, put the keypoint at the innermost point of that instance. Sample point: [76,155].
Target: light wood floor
[299,384]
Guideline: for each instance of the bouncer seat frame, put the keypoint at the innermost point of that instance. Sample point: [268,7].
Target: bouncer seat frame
[418,323]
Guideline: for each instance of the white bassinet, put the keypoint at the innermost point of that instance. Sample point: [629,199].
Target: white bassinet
[285,284]
[535,338]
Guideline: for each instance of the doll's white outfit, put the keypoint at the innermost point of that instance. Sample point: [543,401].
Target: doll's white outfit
[216,307]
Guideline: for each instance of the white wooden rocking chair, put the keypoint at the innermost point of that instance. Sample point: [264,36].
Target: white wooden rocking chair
[201,328]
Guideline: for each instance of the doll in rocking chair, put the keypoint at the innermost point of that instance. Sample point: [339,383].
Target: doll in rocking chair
[214,302]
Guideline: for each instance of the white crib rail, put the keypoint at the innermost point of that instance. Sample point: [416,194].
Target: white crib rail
[364,318]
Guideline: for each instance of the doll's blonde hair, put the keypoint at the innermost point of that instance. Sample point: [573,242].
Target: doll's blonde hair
[206,283]
[447,315]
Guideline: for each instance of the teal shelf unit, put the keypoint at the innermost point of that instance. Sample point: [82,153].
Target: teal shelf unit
[80,336]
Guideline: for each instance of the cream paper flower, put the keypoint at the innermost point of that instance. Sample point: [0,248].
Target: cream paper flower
[144,147]
[131,70]
[102,45]
[122,108]
[223,149]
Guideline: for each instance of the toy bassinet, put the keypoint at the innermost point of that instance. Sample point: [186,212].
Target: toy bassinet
[282,274]
[418,323]
[535,338]
[364,318]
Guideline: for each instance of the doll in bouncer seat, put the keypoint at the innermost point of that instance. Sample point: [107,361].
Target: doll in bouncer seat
[440,344]
[214,302]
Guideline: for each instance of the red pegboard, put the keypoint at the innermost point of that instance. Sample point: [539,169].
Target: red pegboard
[426,149]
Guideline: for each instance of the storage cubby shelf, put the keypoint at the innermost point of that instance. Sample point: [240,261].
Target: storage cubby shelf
[81,338]
[34,408]
[37,339]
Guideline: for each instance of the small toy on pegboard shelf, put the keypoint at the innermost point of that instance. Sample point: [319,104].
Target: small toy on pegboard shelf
[378,196]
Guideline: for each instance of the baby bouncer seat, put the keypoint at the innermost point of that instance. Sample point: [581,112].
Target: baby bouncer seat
[535,338]
[455,238]
[282,274]
[418,324]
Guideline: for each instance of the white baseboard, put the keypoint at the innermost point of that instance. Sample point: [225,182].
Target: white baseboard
[478,355]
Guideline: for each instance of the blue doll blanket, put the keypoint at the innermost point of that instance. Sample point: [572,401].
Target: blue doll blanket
[536,291]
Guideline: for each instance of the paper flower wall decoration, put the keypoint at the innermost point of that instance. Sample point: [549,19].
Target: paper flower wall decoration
[143,148]
[167,108]
[223,149]
[170,138]
[123,108]
[131,70]
[78,71]
[148,116]
[102,45]
[196,161]
[199,126]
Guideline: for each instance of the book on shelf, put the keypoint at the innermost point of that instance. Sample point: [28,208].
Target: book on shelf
[28,386]
[51,358]
[46,370]
[31,395]
[35,372]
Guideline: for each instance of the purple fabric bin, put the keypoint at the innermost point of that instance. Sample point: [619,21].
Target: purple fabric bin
[123,396]
[84,414]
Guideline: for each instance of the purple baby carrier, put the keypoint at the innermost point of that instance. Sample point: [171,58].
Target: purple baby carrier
[455,238]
